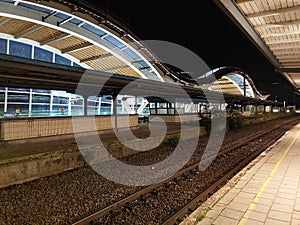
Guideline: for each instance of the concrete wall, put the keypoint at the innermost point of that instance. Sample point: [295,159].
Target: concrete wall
[28,168]
[262,117]
[25,128]
[177,118]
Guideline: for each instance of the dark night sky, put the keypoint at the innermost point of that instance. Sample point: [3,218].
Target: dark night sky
[206,31]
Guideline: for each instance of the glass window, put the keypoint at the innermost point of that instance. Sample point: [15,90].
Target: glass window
[162,111]
[93,98]
[76,65]
[131,53]
[106,98]
[143,64]
[114,41]
[14,97]
[41,99]
[77,110]
[1,109]
[1,97]
[77,102]
[93,29]
[62,16]
[19,89]
[2,88]
[171,111]
[40,108]
[152,105]
[9,1]
[41,91]
[60,100]
[3,46]
[75,21]
[62,60]
[20,49]
[94,104]
[162,105]
[34,7]
[59,108]
[42,54]
[11,108]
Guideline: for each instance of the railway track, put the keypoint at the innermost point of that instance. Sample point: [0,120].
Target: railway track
[271,134]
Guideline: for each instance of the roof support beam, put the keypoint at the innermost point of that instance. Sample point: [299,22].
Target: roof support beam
[287,56]
[233,12]
[291,63]
[64,21]
[278,24]
[274,12]
[95,58]
[54,39]
[283,41]
[115,68]
[289,48]
[4,20]
[280,34]
[28,31]
[289,60]
[288,70]
[243,1]
[76,48]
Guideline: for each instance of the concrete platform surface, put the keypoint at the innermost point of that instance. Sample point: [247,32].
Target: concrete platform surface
[267,191]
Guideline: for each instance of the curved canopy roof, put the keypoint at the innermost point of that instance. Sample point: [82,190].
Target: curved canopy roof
[61,32]
[231,80]
[75,35]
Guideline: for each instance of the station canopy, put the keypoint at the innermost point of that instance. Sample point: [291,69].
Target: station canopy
[64,33]
[274,27]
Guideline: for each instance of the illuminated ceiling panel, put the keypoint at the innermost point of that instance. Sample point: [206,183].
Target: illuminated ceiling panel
[274,26]
[50,25]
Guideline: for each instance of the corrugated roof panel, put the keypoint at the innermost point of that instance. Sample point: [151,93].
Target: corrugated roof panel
[44,34]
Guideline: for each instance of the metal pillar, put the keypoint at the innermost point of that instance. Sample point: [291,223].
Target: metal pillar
[135,104]
[244,84]
[115,112]
[99,106]
[69,106]
[85,107]
[5,100]
[51,101]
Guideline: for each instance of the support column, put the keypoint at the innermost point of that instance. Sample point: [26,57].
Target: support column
[168,108]
[5,100]
[175,107]
[85,105]
[111,107]
[244,84]
[99,106]
[51,101]
[135,104]
[115,112]
[30,101]
[69,106]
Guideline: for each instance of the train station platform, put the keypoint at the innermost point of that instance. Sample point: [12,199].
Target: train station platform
[267,191]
